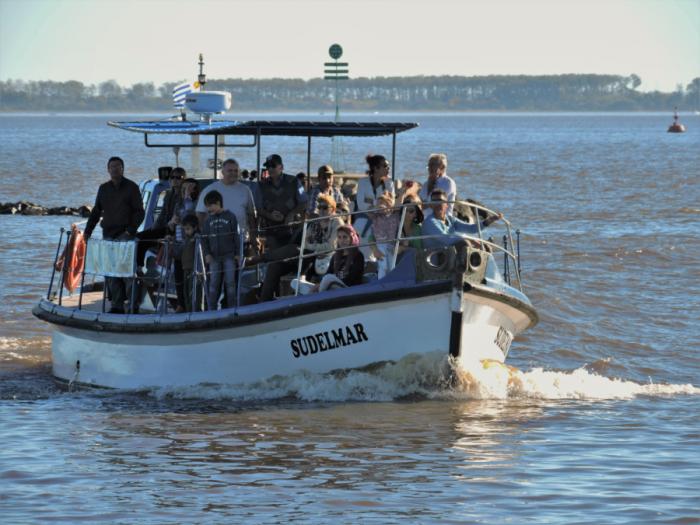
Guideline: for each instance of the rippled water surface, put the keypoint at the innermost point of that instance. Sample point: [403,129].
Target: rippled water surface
[596,423]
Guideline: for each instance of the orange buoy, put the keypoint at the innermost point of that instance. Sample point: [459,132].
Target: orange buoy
[676,127]
[72,261]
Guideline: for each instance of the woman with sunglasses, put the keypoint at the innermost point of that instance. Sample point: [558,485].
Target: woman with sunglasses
[369,189]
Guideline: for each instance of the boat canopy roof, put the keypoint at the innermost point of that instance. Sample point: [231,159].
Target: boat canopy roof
[267,127]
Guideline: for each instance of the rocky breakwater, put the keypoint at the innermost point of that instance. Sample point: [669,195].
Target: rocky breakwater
[29,208]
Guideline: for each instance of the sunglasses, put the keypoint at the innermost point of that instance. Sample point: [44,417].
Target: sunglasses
[176,177]
[323,207]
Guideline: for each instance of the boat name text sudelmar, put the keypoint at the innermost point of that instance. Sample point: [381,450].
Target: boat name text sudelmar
[322,341]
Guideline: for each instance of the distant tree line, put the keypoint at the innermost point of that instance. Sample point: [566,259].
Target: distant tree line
[438,93]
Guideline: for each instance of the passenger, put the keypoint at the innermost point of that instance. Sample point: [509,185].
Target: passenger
[301,180]
[282,200]
[440,223]
[347,264]
[119,204]
[368,189]
[171,202]
[320,237]
[221,244]
[407,187]
[346,267]
[192,289]
[385,229]
[342,210]
[412,224]
[438,180]
[237,198]
[254,187]
[166,224]
[325,187]
[190,196]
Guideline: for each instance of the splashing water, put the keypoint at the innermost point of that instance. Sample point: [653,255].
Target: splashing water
[432,376]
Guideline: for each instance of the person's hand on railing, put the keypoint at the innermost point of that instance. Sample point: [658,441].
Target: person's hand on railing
[208,258]
[491,219]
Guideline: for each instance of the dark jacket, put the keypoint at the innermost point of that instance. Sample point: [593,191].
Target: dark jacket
[284,198]
[348,268]
[220,235]
[170,205]
[119,206]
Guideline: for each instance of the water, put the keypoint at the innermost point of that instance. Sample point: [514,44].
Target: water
[597,423]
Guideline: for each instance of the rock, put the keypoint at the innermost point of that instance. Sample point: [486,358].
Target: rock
[30,208]
[33,209]
[8,208]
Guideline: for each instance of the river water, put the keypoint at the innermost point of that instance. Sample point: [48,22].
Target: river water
[598,423]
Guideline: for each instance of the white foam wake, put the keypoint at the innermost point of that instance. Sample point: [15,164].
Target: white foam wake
[432,376]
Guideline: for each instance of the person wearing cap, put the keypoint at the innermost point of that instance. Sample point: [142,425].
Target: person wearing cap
[282,200]
[237,198]
[324,187]
[438,180]
[441,224]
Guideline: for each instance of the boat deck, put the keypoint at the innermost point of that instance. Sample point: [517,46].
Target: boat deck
[92,302]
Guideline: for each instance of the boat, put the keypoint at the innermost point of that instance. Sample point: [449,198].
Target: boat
[453,300]
[676,126]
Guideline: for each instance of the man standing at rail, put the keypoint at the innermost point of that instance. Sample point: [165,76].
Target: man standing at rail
[237,197]
[439,180]
[118,203]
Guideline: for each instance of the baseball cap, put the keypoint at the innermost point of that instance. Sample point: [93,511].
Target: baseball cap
[272,160]
[326,169]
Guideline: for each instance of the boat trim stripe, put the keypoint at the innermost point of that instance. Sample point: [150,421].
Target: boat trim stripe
[286,311]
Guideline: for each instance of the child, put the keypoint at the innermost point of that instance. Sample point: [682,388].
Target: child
[385,228]
[221,244]
[190,227]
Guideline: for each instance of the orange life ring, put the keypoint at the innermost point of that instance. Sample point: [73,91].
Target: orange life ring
[72,262]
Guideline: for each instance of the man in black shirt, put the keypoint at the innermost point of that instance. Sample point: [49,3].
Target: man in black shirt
[118,203]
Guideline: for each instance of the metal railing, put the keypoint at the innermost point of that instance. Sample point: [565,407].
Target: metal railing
[509,255]
[201,276]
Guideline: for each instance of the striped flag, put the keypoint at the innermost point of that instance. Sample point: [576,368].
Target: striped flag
[181,91]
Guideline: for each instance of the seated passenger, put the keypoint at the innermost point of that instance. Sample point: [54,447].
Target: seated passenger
[320,236]
[407,187]
[442,224]
[385,229]
[412,224]
[325,187]
[221,245]
[342,210]
[346,267]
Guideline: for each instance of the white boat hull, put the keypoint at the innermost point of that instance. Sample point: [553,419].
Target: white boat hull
[338,338]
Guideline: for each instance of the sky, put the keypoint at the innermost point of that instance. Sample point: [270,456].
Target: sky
[159,41]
